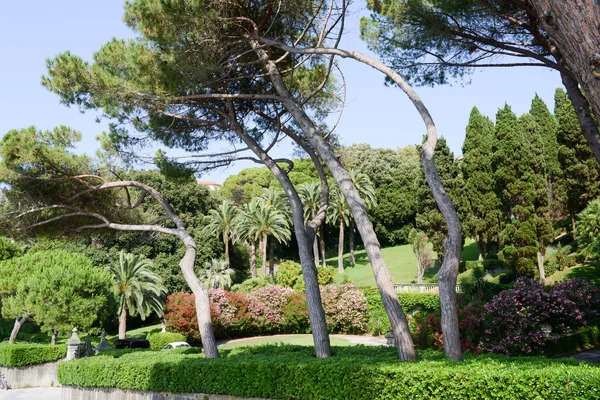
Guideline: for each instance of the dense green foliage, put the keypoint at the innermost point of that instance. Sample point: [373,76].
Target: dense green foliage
[353,373]
[8,249]
[158,340]
[21,355]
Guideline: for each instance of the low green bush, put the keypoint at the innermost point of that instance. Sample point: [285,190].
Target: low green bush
[20,355]
[293,372]
[158,340]
[584,338]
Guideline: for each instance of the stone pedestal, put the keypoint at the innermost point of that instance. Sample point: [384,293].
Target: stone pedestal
[74,346]
[103,345]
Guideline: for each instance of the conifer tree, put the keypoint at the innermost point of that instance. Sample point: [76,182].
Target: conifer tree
[580,173]
[547,129]
[483,220]
[429,219]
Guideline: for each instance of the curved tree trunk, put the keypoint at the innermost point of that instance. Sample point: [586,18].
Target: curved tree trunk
[382,274]
[272,257]
[540,260]
[253,256]
[322,240]
[316,250]
[15,330]
[341,248]
[123,320]
[573,28]
[351,242]
[202,302]
[305,237]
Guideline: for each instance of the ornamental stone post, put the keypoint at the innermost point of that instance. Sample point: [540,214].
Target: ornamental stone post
[103,345]
[74,346]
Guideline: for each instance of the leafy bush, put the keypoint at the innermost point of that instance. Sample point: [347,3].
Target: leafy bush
[286,372]
[345,308]
[20,355]
[266,305]
[158,340]
[491,263]
[295,313]
[180,315]
[289,275]
[229,314]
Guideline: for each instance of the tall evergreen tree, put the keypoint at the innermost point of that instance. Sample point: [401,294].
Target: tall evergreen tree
[579,182]
[521,185]
[483,220]
[547,132]
[429,219]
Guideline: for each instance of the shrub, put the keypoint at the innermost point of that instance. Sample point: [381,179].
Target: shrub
[289,275]
[252,284]
[229,314]
[295,314]
[20,355]
[492,263]
[345,308]
[180,315]
[158,340]
[358,373]
[266,304]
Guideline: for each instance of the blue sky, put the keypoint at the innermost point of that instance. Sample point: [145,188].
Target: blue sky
[381,116]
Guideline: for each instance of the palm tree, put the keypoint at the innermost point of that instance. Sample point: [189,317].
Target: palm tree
[222,222]
[340,214]
[140,290]
[310,194]
[365,188]
[216,275]
[245,228]
[275,198]
[261,220]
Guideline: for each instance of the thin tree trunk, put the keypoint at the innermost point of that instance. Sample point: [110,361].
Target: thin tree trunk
[351,242]
[448,272]
[480,248]
[573,28]
[123,320]
[304,237]
[573,221]
[53,338]
[316,250]
[202,302]
[382,274]
[272,257]
[322,240]
[341,248]
[226,240]
[263,254]
[253,256]
[540,260]
[15,330]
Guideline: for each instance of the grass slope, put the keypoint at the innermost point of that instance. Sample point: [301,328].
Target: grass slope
[400,260]
[302,340]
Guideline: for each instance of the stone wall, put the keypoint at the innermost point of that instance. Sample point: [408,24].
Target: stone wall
[42,375]
[81,393]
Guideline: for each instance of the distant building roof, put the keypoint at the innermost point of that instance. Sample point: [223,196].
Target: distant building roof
[212,185]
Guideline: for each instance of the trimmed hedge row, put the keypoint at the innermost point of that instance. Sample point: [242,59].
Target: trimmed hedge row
[158,340]
[292,372]
[21,355]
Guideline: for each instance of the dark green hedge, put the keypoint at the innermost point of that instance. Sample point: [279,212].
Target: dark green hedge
[20,355]
[158,340]
[585,338]
[292,372]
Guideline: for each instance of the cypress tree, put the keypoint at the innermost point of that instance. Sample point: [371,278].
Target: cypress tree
[521,185]
[483,220]
[580,171]
[429,219]
[547,132]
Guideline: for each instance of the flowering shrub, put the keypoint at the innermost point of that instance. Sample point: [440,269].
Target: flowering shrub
[345,308]
[229,313]
[180,315]
[266,304]
[295,314]
[522,320]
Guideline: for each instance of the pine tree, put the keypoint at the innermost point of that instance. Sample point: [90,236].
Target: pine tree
[429,219]
[483,220]
[580,172]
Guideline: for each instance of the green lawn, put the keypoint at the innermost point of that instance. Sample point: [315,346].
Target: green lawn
[400,260]
[303,340]
[589,272]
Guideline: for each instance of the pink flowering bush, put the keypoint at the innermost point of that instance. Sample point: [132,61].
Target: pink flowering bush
[229,314]
[345,308]
[265,306]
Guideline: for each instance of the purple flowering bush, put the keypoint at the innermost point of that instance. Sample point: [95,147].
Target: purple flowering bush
[346,308]
[524,319]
